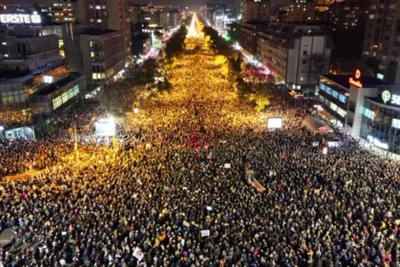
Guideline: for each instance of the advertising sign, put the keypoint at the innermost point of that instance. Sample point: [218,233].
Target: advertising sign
[355,81]
[20,18]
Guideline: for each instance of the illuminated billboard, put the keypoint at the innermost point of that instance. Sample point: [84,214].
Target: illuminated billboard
[274,123]
[105,127]
[20,18]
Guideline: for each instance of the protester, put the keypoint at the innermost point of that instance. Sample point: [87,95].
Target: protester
[164,190]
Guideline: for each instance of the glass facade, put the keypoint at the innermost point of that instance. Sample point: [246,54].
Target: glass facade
[330,91]
[12,97]
[333,101]
[65,97]
[382,123]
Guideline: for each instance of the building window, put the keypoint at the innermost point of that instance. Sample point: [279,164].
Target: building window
[368,113]
[333,106]
[341,112]
[304,61]
[98,76]
[343,98]
[305,53]
[57,102]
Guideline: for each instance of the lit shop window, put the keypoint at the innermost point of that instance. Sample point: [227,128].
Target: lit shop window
[368,113]
[396,123]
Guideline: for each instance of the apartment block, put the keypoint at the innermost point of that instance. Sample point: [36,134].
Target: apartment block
[382,39]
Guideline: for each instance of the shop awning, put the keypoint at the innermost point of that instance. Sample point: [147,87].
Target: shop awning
[315,125]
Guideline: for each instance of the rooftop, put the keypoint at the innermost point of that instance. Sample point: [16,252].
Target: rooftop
[343,80]
[22,79]
[289,28]
[60,83]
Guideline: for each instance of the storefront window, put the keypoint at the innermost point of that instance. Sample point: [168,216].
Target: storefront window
[341,112]
[333,106]
[57,102]
[343,98]
[368,113]
[76,90]
[64,97]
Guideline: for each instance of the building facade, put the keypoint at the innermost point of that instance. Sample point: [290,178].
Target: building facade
[25,48]
[295,53]
[300,10]
[382,39]
[349,15]
[103,56]
[31,63]
[365,107]
[65,11]
[256,10]
[174,18]
[107,14]
[249,36]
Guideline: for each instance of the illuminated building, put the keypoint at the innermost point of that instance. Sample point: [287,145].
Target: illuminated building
[32,75]
[256,10]
[107,14]
[296,53]
[300,10]
[208,11]
[28,47]
[382,39]
[157,16]
[65,11]
[103,55]
[174,18]
[370,112]
[349,15]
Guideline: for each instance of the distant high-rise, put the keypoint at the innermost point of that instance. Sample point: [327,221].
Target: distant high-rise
[300,10]
[107,14]
[348,15]
[259,10]
[382,38]
[65,11]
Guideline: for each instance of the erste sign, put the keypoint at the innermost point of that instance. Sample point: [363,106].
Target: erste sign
[10,18]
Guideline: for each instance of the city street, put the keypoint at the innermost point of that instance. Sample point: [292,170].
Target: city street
[197,179]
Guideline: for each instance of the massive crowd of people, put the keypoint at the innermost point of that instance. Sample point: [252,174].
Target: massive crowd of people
[24,154]
[174,192]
